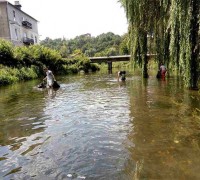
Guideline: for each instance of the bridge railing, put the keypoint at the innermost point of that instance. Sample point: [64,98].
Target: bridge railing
[113,58]
[110,58]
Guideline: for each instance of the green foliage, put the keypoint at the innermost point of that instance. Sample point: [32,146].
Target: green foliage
[6,53]
[27,73]
[174,25]
[11,75]
[124,45]
[27,62]
[7,77]
[24,55]
[86,43]
[82,62]
[112,51]
[72,69]
[37,55]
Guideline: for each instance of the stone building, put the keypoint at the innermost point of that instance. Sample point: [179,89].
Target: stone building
[17,26]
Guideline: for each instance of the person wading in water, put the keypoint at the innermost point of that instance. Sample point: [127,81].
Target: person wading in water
[49,77]
[122,75]
[163,71]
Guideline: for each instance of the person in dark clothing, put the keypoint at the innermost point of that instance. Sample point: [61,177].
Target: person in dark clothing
[121,75]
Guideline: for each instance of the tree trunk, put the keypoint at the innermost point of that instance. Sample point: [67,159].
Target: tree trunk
[144,56]
[194,45]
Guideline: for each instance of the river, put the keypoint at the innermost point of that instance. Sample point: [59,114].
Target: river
[96,128]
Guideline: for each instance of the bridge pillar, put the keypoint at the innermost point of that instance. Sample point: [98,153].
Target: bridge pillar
[110,66]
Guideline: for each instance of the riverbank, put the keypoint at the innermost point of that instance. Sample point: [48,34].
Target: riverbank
[10,75]
[27,62]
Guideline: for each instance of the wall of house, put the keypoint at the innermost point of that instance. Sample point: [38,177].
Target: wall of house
[4,26]
[18,31]
[11,19]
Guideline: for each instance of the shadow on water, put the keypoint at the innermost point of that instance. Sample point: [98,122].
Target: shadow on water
[94,127]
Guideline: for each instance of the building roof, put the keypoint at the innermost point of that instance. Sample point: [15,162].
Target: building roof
[3,1]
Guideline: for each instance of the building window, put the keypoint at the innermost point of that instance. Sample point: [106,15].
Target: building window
[35,39]
[14,15]
[16,34]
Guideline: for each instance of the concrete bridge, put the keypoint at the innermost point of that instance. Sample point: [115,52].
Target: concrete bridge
[110,59]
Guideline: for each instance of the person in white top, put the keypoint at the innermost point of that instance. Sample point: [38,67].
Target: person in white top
[49,77]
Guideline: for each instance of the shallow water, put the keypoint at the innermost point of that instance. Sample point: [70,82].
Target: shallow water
[96,128]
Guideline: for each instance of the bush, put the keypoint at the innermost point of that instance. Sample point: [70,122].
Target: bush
[8,76]
[27,62]
[12,75]
[7,54]
[27,73]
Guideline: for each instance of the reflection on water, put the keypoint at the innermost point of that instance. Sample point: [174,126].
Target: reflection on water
[94,127]
[165,138]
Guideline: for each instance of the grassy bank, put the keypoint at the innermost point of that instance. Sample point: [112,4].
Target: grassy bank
[27,62]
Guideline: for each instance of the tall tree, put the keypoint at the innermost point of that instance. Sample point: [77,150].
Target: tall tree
[175,27]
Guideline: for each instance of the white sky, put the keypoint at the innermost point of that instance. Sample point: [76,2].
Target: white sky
[71,18]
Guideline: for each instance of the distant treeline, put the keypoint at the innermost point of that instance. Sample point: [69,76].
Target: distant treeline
[62,56]
[106,44]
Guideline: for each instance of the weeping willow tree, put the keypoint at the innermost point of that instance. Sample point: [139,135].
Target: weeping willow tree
[184,42]
[146,18]
[138,30]
[175,27]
